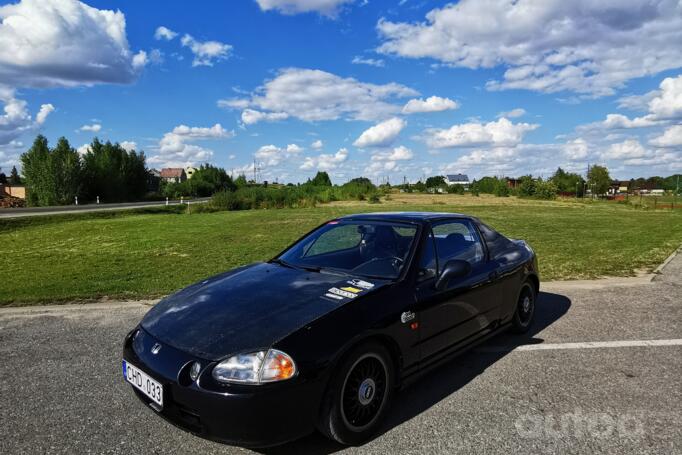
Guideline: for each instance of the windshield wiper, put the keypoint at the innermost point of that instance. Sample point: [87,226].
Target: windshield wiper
[281,262]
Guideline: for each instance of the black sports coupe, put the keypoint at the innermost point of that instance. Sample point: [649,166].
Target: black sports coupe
[322,335]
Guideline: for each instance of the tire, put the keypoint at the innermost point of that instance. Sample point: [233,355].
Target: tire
[525,308]
[359,396]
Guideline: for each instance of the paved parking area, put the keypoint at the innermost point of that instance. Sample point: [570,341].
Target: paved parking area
[61,390]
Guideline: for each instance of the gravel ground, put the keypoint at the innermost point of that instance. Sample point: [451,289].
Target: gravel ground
[61,390]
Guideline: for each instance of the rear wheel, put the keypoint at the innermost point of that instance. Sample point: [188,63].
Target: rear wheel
[358,397]
[525,309]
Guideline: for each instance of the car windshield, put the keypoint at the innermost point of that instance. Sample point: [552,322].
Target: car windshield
[368,248]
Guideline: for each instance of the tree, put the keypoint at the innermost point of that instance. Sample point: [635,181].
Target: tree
[66,166]
[207,180]
[321,179]
[527,186]
[437,181]
[598,179]
[567,182]
[240,181]
[3,177]
[113,174]
[39,174]
[14,178]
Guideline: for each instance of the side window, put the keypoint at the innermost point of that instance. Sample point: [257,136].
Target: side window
[428,267]
[497,243]
[341,238]
[458,240]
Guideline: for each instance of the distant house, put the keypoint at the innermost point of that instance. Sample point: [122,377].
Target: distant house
[457,179]
[189,170]
[513,183]
[173,174]
[18,191]
[623,186]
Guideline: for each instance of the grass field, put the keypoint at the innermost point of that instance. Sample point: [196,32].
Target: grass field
[154,252]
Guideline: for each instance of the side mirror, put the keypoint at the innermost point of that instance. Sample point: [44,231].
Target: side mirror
[455,268]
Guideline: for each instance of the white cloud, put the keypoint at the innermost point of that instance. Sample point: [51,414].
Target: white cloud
[514,113]
[588,47]
[400,153]
[631,148]
[83,149]
[271,155]
[164,33]
[233,103]
[576,149]
[328,8]
[129,146]
[317,145]
[325,162]
[47,43]
[501,133]
[672,137]
[621,121]
[206,53]
[95,128]
[45,110]
[357,60]
[177,149]
[314,95]
[381,134]
[637,102]
[430,104]
[668,103]
[16,119]
[251,116]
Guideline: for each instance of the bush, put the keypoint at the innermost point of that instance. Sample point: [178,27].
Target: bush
[374,199]
[502,190]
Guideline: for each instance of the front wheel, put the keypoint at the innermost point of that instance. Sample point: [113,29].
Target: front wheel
[358,397]
[525,309]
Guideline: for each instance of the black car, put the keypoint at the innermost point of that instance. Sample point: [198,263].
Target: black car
[322,335]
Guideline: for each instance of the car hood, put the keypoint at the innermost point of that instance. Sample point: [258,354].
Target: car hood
[249,308]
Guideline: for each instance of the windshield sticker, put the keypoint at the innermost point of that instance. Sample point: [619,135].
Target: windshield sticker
[361,284]
[342,293]
[332,296]
[352,289]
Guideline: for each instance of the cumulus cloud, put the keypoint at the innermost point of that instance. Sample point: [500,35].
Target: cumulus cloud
[251,116]
[381,134]
[314,95]
[501,133]
[316,145]
[357,60]
[514,113]
[48,43]
[630,148]
[400,153]
[94,128]
[328,8]
[128,145]
[206,53]
[45,110]
[430,104]
[588,47]
[325,162]
[16,119]
[668,102]
[271,155]
[576,149]
[164,33]
[671,137]
[177,148]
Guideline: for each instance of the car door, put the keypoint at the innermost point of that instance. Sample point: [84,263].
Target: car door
[467,305]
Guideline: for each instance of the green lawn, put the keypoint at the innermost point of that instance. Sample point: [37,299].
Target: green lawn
[72,257]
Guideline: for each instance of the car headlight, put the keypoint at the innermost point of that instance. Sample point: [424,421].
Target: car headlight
[255,368]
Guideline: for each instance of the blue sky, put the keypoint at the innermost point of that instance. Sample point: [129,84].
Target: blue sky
[383,89]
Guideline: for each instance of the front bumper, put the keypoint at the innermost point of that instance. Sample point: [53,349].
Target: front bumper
[249,416]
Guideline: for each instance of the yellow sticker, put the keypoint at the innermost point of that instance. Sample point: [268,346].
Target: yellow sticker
[352,289]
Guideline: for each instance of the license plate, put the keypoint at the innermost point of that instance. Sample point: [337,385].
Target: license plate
[143,382]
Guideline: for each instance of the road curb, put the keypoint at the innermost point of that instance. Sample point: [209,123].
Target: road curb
[658,270]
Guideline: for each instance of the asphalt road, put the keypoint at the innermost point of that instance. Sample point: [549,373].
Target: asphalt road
[61,390]
[57,210]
